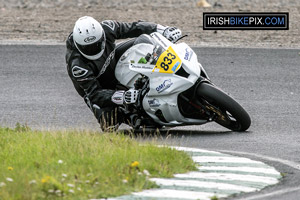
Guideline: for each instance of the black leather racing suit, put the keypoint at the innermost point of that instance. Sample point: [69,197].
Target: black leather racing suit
[95,80]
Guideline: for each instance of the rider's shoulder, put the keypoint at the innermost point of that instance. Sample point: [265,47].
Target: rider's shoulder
[79,60]
[109,25]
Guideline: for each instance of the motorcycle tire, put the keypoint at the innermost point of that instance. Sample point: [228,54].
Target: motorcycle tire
[237,119]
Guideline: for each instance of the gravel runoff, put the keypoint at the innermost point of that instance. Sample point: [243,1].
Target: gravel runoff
[51,21]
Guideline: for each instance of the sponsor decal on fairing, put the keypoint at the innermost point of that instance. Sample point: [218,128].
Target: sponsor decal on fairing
[188,54]
[154,103]
[165,85]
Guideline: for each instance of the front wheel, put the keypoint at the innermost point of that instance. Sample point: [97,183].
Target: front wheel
[227,111]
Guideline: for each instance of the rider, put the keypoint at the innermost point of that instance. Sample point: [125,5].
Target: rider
[91,59]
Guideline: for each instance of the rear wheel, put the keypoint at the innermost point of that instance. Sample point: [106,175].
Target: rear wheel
[227,112]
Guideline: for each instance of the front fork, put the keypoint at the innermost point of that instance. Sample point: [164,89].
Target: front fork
[208,111]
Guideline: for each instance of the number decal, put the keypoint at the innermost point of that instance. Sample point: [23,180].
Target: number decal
[164,66]
[173,56]
[168,62]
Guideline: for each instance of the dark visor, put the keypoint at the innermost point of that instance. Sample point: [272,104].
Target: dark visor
[92,49]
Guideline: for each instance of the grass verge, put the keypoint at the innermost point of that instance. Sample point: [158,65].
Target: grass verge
[80,165]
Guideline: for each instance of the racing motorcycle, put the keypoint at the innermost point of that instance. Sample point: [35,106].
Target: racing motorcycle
[175,89]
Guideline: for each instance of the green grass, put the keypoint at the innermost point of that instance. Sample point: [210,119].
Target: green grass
[214,198]
[80,164]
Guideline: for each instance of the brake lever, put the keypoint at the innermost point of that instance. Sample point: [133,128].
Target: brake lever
[181,37]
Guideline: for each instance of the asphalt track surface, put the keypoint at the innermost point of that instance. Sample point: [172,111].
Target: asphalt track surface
[36,90]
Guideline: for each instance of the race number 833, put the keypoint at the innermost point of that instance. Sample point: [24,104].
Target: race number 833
[168,62]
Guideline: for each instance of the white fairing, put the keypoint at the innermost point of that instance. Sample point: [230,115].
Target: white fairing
[164,87]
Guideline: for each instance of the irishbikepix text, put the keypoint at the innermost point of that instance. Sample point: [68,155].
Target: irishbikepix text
[245,21]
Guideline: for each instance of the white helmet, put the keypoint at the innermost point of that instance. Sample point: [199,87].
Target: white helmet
[89,37]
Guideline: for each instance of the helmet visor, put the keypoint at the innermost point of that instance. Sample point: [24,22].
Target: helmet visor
[94,48]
